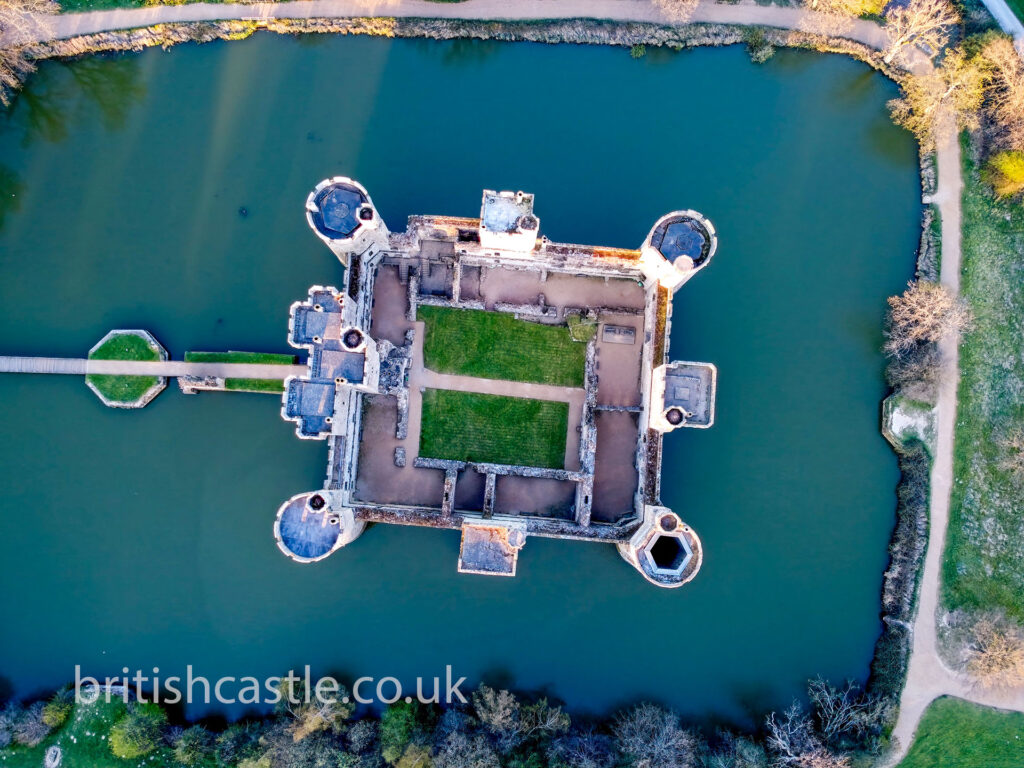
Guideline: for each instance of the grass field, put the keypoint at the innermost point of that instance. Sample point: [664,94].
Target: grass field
[261,358]
[124,389]
[984,558]
[275,386]
[466,426]
[956,734]
[494,345]
[84,744]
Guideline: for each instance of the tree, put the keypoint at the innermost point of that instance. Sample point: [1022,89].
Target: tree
[138,731]
[926,312]
[583,749]
[944,100]
[310,712]
[238,742]
[1005,172]
[8,717]
[926,24]
[194,746]
[20,21]
[793,741]
[463,751]
[1006,89]
[30,727]
[397,728]
[58,709]
[847,712]
[734,751]
[652,737]
[996,657]
[676,11]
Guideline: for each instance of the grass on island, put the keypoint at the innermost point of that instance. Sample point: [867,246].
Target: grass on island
[494,345]
[957,734]
[124,389]
[275,386]
[466,426]
[262,358]
[84,741]
[983,567]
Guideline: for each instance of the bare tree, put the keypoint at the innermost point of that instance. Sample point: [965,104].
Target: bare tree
[30,728]
[926,24]
[652,737]
[310,712]
[925,312]
[1006,88]
[846,711]
[583,749]
[462,751]
[792,739]
[676,11]
[996,657]
[498,711]
[20,21]
[945,100]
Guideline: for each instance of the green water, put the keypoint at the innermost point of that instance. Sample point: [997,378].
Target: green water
[145,538]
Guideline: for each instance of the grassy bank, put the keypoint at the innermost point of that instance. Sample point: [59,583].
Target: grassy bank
[124,389]
[83,742]
[984,558]
[260,358]
[494,345]
[503,430]
[956,734]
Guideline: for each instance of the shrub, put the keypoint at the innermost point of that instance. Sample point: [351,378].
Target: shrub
[638,51]
[1005,172]
[194,747]
[138,731]
[997,654]
[758,47]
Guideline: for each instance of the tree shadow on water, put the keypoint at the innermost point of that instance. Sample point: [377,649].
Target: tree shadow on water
[113,85]
[62,90]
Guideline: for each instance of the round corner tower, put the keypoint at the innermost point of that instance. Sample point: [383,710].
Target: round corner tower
[342,214]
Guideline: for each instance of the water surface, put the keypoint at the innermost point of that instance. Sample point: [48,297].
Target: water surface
[144,538]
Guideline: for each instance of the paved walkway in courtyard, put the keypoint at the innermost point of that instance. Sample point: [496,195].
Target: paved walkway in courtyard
[81,366]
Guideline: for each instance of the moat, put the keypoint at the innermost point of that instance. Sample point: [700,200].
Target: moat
[164,515]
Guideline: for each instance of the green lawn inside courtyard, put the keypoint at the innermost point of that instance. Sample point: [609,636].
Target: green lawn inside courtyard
[124,389]
[466,426]
[494,345]
[957,734]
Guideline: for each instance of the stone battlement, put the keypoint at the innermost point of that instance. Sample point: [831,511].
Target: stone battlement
[368,381]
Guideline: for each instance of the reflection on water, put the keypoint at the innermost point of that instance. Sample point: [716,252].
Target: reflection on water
[113,85]
[77,91]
